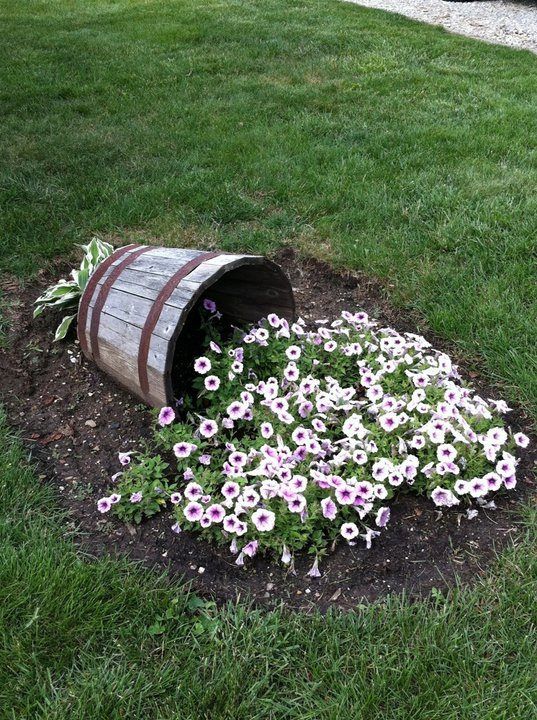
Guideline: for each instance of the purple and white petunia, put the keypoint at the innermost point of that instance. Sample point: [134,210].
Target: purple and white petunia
[166,416]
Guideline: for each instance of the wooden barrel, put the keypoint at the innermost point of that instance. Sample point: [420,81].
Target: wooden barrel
[137,301]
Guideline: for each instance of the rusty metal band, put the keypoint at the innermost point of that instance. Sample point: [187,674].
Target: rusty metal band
[102,295]
[156,309]
[97,275]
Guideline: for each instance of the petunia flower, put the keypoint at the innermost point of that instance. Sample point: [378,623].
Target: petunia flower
[209,305]
[521,440]
[250,549]
[208,428]
[446,453]
[202,365]
[216,513]
[236,410]
[286,555]
[314,570]
[193,491]
[509,482]
[349,530]
[389,421]
[382,517]
[329,508]
[230,523]
[166,416]
[230,489]
[183,449]
[193,511]
[297,504]
[241,528]
[493,480]
[212,383]
[443,497]
[264,520]
[104,505]
[368,537]
[345,494]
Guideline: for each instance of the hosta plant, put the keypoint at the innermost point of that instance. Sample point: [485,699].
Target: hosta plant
[65,294]
[297,438]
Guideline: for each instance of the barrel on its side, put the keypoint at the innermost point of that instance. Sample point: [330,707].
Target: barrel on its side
[136,303]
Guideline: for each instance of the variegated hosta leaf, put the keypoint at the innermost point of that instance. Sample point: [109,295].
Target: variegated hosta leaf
[61,290]
[63,327]
[67,293]
[83,277]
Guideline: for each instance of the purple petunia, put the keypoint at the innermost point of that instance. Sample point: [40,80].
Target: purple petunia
[382,517]
[349,531]
[183,449]
[329,508]
[193,511]
[264,520]
[212,383]
[208,428]
[166,416]
[443,497]
[104,505]
[202,365]
[209,305]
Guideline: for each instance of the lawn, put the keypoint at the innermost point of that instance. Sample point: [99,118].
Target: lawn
[385,146]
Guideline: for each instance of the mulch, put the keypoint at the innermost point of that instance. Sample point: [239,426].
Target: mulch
[75,420]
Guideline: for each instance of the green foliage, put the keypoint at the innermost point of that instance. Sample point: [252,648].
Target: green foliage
[201,618]
[148,478]
[66,294]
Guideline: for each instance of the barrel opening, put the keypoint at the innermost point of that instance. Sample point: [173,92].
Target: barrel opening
[243,295]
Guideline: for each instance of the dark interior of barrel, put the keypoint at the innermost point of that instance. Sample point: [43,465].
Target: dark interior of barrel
[242,296]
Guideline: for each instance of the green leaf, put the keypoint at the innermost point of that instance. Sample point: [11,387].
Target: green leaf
[83,277]
[63,327]
[156,629]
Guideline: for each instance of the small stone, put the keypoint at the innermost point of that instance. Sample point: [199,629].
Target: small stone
[90,423]
[201,570]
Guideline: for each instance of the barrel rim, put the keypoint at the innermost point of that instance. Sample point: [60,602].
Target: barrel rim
[196,295]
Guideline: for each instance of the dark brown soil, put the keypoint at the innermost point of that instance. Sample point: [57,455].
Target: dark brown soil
[75,420]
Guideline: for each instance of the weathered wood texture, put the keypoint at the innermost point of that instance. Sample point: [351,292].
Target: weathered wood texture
[135,305]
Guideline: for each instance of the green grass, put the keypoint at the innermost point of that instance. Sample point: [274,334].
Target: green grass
[384,145]
[390,146]
[75,640]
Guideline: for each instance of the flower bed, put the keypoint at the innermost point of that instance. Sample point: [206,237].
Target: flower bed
[296,438]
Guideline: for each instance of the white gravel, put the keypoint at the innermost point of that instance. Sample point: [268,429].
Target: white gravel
[496,21]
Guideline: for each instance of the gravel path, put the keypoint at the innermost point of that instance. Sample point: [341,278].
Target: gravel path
[496,21]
